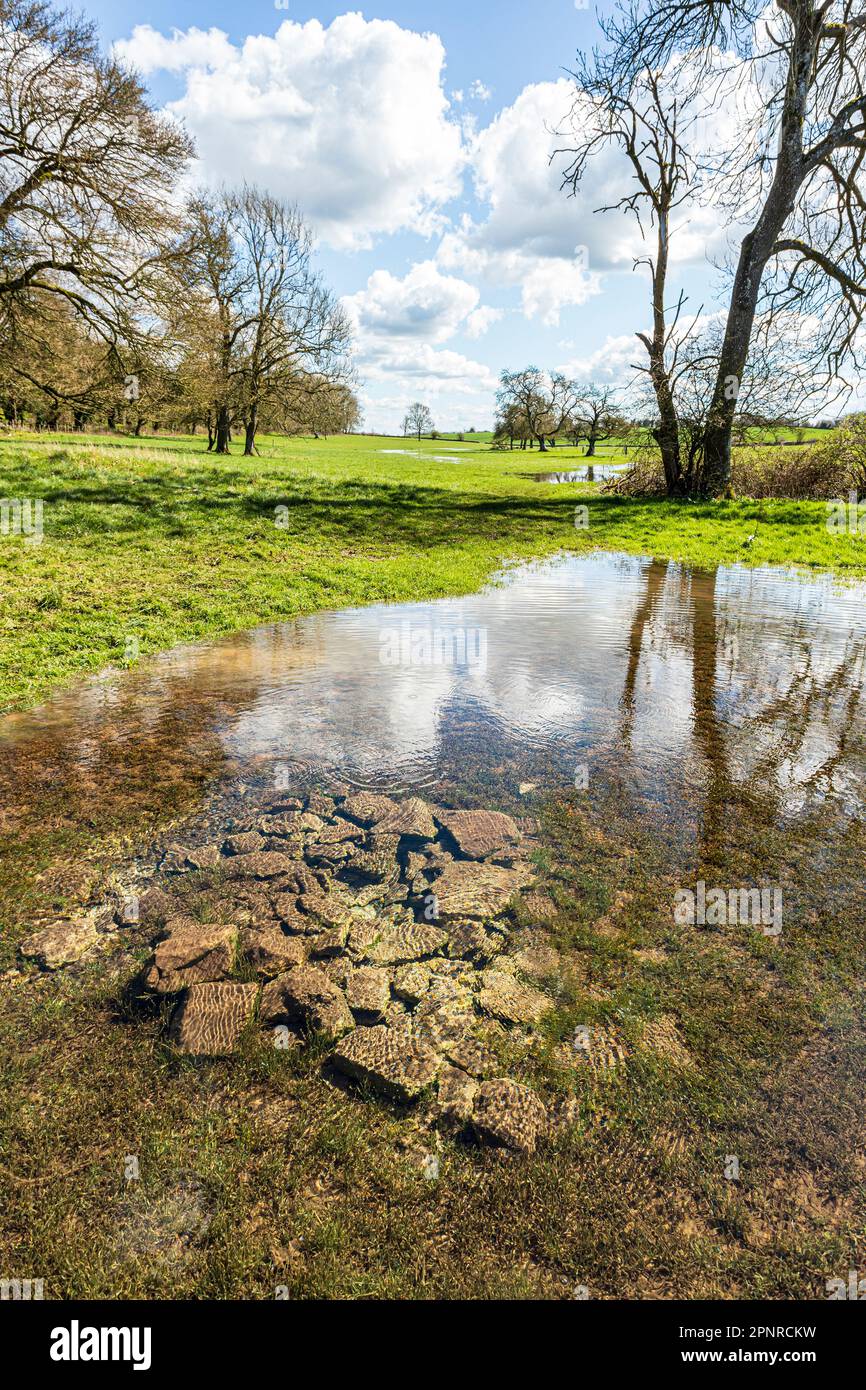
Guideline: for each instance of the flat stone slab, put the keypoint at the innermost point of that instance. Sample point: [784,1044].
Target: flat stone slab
[464,889]
[368,992]
[58,944]
[479,834]
[388,1059]
[377,861]
[211,1017]
[270,952]
[366,807]
[407,942]
[191,955]
[305,997]
[508,1115]
[469,941]
[456,1095]
[509,1000]
[260,863]
[324,911]
[411,983]
[246,843]
[204,857]
[411,817]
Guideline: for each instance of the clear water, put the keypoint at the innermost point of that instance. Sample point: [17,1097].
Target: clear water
[678,688]
[596,472]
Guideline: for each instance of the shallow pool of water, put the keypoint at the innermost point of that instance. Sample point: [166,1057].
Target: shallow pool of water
[420,454]
[679,690]
[590,473]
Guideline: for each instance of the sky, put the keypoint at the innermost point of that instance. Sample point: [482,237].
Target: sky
[417,140]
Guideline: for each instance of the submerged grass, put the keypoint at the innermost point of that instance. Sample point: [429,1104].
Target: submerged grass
[155,542]
[256,1174]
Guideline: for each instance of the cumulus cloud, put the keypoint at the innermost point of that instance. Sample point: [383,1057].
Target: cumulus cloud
[149,51]
[423,304]
[530,237]
[554,248]
[430,367]
[350,120]
[399,322]
[482,319]
[613,362]
[479,91]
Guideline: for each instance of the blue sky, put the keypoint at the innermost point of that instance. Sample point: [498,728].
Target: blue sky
[417,139]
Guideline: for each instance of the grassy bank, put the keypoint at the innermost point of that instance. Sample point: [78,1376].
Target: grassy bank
[154,540]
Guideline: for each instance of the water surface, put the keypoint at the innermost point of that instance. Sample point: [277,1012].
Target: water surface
[679,689]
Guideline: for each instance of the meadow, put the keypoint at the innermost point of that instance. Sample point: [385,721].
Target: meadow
[256,1173]
[151,542]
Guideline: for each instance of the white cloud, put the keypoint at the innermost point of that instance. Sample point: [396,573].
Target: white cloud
[553,247]
[425,304]
[428,366]
[479,91]
[399,323]
[349,121]
[480,320]
[149,51]
[612,362]
[531,235]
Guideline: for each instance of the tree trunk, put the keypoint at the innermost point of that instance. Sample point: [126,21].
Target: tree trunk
[223,430]
[250,431]
[755,251]
[590,447]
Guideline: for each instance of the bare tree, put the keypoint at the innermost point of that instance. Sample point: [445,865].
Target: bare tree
[634,115]
[793,172]
[544,403]
[596,416]
[418,420]
[273,333]
[87,173]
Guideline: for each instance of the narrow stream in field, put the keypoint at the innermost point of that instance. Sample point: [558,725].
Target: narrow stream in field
[677,689]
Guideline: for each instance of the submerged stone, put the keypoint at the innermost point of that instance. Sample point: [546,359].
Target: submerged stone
[508,1115]
[507,999]
[368,992]
[479,834]
[210,1018]
[260,864]
[59,944]
[389,1059]
[366,807]
[464,889]
[191,955]
[306,997]
[407,942]
[269,951]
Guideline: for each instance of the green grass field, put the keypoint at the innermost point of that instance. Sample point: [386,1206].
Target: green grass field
[255,1173]
[153,539]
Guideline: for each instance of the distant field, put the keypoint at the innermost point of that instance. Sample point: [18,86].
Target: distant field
[155,539]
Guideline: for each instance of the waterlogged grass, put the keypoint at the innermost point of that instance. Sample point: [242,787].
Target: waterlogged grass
[148,543]
[254,1173]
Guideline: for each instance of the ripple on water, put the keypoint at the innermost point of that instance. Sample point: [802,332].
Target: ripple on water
[679,687]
